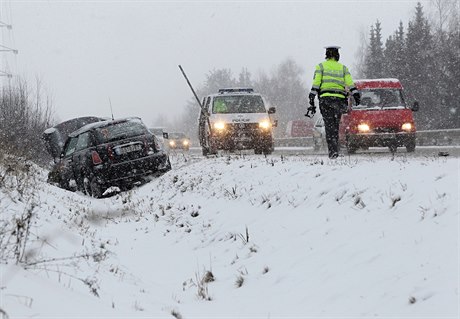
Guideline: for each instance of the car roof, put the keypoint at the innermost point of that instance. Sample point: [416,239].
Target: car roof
[389,83]
[95,125]
[234,92]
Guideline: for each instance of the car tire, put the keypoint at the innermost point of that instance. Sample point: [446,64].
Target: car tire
[351,149]
[92,187]
[410,147]
[168,165]
[267,151]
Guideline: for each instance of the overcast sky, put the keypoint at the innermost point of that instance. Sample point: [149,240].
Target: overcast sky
[86,52]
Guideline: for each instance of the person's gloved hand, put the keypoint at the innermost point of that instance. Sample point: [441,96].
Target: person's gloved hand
[311,97]
[357,97]
[311,111]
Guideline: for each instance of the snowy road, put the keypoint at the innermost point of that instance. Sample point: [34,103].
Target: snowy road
[420,151]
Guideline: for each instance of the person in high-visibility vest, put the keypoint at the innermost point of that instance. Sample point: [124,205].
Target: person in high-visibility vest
[330,83]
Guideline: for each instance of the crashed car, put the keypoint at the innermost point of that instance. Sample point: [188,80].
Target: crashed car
[106,154]
[56,136]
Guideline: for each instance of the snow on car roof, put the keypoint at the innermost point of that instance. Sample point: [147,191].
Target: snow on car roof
[378,83]
[235,91]
[102,124]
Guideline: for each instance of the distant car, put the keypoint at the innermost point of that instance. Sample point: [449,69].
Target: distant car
[110,153]
[319,135]
[178,141]
[299,128]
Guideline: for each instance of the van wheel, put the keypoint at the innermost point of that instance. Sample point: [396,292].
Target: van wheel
[351,149]
[267,151]
[212,150]
[393,148]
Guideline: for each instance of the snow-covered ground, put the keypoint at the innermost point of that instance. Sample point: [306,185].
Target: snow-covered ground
[239,237]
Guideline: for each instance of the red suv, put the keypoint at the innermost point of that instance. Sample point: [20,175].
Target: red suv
[381,119]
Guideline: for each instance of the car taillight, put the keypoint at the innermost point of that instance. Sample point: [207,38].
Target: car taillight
[146,147]
[96,158]
[110,152]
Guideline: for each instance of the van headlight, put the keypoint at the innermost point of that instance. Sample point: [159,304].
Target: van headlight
[363,128]
[407,127]
[220,126]
[265,124]
[185,142]
[172,143]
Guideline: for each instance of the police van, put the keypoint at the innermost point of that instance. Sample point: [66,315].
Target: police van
[236,119]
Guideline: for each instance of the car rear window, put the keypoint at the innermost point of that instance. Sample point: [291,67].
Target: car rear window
[120,130]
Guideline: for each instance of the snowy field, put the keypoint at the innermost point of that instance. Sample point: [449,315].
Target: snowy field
[239,236]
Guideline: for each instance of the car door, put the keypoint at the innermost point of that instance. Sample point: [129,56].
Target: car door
[80,157]
[65,164]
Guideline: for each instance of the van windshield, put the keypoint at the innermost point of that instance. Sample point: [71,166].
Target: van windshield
[381,98]
[238,104]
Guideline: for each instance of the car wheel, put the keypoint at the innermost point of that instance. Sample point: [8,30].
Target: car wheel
[351,149]
[410,147]
[168,165]
[92,187]
[393,148]
[267,151]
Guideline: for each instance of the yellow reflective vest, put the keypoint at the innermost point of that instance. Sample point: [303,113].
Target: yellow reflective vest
[331,78]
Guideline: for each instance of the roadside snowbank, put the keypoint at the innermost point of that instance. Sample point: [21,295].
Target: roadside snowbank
[244,237]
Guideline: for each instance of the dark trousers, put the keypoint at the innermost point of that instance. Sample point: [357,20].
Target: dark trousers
[331,109]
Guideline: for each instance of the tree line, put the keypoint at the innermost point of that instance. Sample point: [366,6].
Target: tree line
[425,57]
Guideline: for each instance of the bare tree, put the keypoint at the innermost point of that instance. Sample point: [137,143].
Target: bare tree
[24,114]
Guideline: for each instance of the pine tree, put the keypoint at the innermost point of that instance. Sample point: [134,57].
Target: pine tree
[420,80]
[394,58]
[374,61]
[451,80]
[244,79]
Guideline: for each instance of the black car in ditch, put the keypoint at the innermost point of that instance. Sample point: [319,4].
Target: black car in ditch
[112,153]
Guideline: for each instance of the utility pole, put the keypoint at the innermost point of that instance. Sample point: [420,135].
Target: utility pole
[3,48]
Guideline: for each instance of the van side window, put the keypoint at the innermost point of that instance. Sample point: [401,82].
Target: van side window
[208,102]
